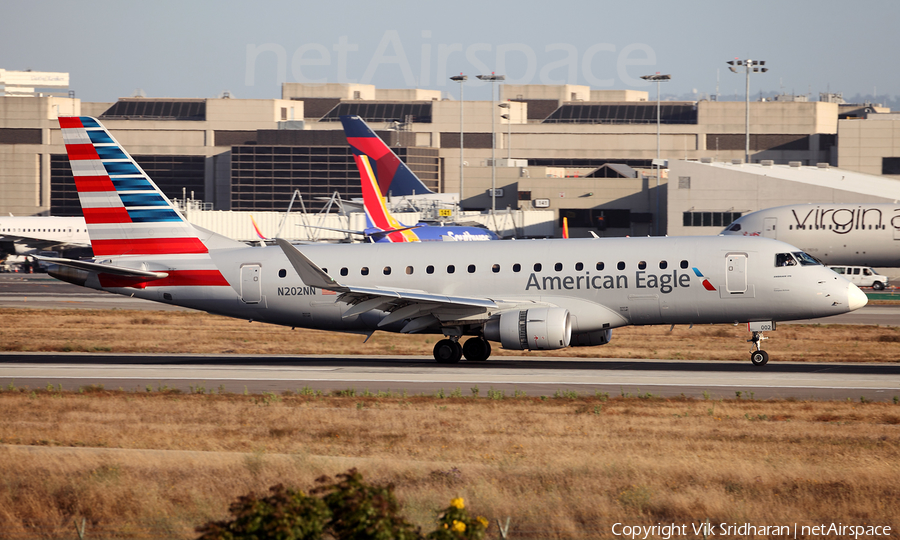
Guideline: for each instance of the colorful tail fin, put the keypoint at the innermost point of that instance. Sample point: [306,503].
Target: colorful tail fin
[392,175]
[126,213]
[379,168]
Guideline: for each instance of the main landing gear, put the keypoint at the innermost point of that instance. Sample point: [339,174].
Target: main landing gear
[758,357]
[449,351]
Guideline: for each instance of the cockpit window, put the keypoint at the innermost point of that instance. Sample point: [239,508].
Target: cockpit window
[735,227]
[784,259]
[806,259]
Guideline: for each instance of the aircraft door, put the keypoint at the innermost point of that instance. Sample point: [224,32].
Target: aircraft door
[769,224]
[736,273]
[251,284]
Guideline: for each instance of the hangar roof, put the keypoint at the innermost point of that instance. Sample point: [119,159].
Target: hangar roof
[827,177]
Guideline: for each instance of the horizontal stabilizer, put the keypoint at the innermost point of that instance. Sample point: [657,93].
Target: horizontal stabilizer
[104,268]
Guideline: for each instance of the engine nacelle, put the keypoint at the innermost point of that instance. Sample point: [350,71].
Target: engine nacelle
[534,329]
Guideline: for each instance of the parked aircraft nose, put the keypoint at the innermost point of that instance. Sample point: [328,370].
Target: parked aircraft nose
[855,297]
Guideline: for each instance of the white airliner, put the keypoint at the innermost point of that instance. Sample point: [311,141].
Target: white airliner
[866,234]
[534,294]
[24,235]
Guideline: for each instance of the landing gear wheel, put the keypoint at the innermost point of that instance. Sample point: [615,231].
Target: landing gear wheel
[477,349]
[878,286]
[759,358]
[447,351]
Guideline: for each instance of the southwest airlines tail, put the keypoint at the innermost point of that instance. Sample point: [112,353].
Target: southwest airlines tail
[380,171]
[391,174]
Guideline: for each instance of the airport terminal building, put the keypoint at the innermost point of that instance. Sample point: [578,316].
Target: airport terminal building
[584,154]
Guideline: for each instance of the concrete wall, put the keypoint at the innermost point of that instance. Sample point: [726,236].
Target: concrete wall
[329,90]
[863,144]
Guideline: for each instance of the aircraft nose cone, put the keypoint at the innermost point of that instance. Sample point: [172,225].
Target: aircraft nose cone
[855,297]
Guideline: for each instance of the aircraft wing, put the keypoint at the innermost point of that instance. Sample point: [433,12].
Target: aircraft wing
[103,268]
[421,307]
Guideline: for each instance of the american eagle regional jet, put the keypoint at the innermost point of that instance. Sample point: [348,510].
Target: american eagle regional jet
[533,294]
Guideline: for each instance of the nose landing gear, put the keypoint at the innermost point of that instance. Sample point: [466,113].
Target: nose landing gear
[758,357]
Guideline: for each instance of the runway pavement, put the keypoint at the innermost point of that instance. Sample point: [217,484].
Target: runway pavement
[535,376]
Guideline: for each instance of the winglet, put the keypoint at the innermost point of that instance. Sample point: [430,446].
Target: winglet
[565,227]
[309,273]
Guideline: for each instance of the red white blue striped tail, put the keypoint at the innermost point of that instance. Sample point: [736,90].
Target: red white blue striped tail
[126,213]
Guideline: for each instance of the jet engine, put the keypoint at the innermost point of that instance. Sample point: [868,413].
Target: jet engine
[534,329]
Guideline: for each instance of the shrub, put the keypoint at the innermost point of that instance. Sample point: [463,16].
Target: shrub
[346,509]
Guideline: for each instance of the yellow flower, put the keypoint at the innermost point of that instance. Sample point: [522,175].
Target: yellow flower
[458,526]
[458,503]
[484,522]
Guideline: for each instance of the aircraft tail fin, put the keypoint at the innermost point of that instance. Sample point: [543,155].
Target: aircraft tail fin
[126,213]
[376,161]
[392,175]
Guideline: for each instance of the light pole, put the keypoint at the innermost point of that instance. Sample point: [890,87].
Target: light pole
[492,78]
[460,79]
[659,79]
[754,66]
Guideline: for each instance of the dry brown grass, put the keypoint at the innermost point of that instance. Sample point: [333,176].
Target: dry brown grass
[193,332]
[156,465]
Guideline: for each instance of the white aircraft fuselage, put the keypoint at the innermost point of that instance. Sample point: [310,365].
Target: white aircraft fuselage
[744,283]
[34,233]
[865,234]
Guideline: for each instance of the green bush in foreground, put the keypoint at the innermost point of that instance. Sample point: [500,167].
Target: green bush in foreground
[348,509]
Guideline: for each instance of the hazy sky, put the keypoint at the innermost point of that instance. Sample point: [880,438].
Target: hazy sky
[200,49]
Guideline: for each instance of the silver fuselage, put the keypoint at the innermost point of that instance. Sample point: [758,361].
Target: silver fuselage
[642,281]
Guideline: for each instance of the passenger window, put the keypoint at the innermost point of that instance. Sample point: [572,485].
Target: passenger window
[600,266]
[856,271]
[325,270]
[557,267]
[282,273]
[344,271]
[409,270]
[495,268]
[663,265]
[642,265]
[684,265]
[451,269]
[429,269]
[517,267]
[471,268]
[537,267]
[620,265]
[579,267]
[364,270]
[387,270]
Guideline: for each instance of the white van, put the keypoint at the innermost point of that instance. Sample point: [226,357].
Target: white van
[862,276]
